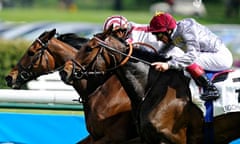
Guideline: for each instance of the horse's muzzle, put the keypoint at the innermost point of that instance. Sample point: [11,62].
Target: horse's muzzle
[65,78]
[8,80]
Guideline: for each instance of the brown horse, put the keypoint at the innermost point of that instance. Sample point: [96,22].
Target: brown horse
[107,114]
[162,107]
[42,57]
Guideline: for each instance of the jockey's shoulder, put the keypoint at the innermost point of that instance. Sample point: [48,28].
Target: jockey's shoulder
[139,27]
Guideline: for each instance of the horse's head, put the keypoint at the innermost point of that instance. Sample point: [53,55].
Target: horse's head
[99,55]
[32,62]
[46,54]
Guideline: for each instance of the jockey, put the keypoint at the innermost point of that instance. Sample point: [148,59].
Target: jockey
[203,50]
[133,32]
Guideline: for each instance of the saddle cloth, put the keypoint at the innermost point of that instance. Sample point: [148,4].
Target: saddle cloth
[228,84]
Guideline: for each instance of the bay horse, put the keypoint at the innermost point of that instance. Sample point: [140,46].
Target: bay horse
[107,114]
[44,56]
[162,105]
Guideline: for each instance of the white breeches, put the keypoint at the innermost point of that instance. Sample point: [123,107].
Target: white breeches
[218,61]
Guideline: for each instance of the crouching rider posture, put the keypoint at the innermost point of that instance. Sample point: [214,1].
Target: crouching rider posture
[133,32]
[130,31]
[203,50]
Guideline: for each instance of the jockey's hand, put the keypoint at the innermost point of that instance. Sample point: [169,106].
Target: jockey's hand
[161,66]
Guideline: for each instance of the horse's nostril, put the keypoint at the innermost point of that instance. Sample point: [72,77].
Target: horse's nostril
[63,75]
[8,78]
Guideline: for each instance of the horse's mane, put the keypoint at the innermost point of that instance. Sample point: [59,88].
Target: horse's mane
[137,73]
[139,70]
[72,39]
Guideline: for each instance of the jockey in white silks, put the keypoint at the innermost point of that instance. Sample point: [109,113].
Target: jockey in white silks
[133,32]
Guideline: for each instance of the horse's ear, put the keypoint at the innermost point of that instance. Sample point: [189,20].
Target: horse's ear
[111,28]
[52,33]
[108,31]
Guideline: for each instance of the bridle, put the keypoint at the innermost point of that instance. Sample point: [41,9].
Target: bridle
[85,72]
[79,71]
[26,71]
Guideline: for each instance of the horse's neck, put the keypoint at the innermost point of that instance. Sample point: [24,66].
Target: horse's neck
[133,78]
[61,51]
[89,91]
[87,87]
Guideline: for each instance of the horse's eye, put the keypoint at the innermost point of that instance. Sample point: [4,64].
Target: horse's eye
[30,53]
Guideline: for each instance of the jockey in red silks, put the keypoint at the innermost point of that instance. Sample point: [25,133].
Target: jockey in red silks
[203,50]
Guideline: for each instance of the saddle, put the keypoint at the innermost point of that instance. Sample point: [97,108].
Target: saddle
[228,84]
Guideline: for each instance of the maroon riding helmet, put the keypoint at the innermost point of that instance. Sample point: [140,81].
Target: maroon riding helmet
[162,22]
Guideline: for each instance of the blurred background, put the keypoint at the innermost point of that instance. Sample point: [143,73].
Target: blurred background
[22,21]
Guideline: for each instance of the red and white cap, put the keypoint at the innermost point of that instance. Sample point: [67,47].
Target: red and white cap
[118,22]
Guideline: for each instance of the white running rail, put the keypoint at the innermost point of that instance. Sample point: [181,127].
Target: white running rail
[46,89]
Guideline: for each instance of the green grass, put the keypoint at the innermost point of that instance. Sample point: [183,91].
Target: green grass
[216,14]
[30,15]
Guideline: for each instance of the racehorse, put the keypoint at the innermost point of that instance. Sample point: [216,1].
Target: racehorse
[108,117]
[42,57]
[162,107]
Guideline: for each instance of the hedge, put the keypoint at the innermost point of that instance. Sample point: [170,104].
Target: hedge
[11,52]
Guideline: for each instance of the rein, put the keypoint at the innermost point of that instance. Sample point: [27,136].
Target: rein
[83,72]
[45,47]
[79,74]
[147,45]
[104,44]
[26,71]
[128,56]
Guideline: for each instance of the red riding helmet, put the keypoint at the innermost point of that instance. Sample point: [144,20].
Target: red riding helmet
[162,22]
[118,22]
